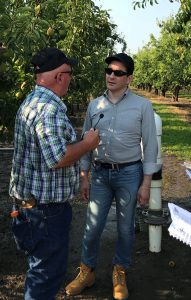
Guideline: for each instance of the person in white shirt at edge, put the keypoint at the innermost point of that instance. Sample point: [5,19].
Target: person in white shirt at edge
[120,171]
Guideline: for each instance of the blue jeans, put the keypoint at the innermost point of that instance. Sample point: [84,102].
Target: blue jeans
[42,233]
[107,184]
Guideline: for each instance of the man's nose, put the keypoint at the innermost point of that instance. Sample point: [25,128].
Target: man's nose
[112,74]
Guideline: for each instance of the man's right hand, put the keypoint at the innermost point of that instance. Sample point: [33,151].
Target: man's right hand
[76,150]
[91,138]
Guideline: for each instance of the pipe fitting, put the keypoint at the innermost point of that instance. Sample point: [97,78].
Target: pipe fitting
[157,175]
[156,217]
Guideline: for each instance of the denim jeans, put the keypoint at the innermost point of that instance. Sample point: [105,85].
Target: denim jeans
[42,233]
[107,184]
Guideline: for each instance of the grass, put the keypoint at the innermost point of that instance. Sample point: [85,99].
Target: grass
[176,137]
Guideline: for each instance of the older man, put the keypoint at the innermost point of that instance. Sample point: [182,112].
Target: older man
[45,174]
[119,171]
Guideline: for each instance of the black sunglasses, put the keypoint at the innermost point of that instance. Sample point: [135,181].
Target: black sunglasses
[117,73]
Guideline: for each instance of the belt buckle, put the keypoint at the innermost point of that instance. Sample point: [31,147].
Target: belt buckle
[24,203]
[115,166]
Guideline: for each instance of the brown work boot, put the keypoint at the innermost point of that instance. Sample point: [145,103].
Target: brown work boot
[85,278]
[120,291]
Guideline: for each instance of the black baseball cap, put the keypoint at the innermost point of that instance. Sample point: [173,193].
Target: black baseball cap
[49,59]
[125,59]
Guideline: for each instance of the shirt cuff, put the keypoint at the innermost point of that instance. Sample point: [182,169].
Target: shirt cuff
[151,168]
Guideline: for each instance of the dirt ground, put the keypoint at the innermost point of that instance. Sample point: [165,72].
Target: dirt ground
[150,276]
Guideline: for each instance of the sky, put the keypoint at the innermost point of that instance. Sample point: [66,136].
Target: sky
[137,25]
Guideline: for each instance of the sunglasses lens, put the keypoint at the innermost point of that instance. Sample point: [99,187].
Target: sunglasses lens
[117,73]
[108,71]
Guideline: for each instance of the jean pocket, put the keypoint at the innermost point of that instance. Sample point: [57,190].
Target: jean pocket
[22,232]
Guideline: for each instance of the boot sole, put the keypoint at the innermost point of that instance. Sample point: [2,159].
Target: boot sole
[120,299]
[86,288]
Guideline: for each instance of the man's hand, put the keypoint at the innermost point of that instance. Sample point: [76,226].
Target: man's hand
[85,186]
[143,195]
[91,138]
[76,150]
[85,189]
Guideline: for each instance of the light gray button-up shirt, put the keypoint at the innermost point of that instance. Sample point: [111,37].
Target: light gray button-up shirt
[123,127]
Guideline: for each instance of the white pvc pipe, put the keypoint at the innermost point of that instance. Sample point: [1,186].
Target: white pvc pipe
[155,203]
[155,236]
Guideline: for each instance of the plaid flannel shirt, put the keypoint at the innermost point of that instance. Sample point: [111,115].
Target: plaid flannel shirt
[42,132]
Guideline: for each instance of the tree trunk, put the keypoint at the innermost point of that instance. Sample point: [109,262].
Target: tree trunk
[149,87]
[176,93]
[163,92]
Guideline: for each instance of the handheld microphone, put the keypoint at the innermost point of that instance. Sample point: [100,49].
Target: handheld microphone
[100,117]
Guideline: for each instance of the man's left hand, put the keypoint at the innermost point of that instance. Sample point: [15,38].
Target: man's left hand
[143,195]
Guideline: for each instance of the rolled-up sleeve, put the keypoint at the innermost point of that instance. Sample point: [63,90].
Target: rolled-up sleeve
[52,133]
[149,140]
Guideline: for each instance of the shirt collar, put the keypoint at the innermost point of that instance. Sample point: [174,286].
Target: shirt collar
[106,95]
[53,96]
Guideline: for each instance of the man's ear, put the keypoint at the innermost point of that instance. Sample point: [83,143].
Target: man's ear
[58,77]
[130,78]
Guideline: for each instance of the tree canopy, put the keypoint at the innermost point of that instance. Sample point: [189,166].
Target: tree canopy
[164,64]
[84,31]
[78,27]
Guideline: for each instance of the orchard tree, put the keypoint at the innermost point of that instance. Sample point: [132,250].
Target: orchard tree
[146,73]
[164,63]
[176,59]
[143,3]
[182,24]
[90,41]
[142,78]
[173,49]
[78,27]
[7,79]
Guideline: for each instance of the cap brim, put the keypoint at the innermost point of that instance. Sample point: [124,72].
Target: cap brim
[111,58]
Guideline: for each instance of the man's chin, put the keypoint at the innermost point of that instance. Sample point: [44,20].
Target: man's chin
[111,86]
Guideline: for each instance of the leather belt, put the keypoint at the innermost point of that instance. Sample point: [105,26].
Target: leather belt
[24,203]
[115,166]
[32,202]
